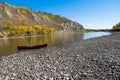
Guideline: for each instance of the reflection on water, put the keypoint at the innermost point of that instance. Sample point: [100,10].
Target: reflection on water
[9,46]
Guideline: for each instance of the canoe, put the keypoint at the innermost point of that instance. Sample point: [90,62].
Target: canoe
[32,47]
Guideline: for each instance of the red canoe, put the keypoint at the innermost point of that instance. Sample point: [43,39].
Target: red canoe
[32,47]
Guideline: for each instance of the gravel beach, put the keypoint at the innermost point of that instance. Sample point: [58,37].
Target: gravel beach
[92,59]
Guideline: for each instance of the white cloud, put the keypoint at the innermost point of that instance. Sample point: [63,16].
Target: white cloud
[89,25]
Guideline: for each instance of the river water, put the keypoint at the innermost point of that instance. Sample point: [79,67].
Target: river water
[9,46]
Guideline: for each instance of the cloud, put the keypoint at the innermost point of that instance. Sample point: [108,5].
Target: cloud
[89,25]
[93,26]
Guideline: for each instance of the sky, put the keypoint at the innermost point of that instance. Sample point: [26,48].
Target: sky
[92,14]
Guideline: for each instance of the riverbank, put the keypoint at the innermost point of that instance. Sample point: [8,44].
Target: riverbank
[53,33]
[60,32]
[92,59]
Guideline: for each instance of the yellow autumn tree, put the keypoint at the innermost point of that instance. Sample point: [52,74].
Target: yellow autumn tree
[38,28]
[22,29]
[7,24]
[45,32]
[13,33]
[30,30]
[51,29]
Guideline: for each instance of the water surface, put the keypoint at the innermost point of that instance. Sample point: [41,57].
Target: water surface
[9,46]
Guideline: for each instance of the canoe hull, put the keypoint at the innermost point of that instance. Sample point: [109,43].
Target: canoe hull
[32,47]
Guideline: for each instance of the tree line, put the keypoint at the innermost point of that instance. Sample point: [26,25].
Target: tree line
[116,27]
[24,30]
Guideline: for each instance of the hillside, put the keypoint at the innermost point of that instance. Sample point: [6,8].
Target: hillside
[24,16]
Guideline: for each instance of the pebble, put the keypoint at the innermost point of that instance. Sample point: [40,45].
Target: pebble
[93,59]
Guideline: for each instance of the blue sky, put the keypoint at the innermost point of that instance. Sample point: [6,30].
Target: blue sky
[92,14]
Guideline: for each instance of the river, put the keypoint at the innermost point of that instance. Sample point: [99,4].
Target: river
[9,46]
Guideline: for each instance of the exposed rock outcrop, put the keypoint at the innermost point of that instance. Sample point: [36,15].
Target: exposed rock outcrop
[25,16]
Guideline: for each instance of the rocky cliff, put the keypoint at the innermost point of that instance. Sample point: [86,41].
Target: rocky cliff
[25,16]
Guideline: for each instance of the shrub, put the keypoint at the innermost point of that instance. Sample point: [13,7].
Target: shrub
[44,32]
[1,35]
[24,13]
[51,29]
[8,22]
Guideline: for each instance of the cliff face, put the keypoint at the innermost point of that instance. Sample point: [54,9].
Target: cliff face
[25,16]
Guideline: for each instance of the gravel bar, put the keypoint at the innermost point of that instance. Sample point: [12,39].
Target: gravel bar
[92,59]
